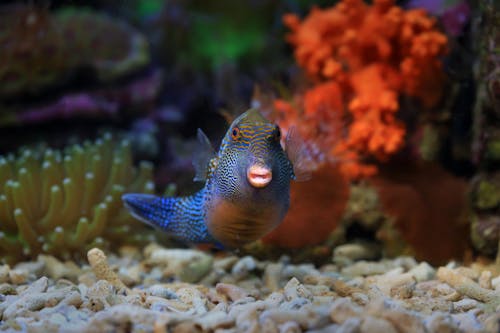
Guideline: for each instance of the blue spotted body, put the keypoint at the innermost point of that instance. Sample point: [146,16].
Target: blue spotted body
[246,192]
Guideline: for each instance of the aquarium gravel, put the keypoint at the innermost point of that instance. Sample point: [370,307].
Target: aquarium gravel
[156,289]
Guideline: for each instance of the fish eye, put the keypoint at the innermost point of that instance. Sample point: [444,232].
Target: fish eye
[235,133]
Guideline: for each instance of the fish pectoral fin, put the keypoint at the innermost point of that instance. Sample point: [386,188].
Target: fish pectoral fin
[202,156]
[148,208]
[299,156]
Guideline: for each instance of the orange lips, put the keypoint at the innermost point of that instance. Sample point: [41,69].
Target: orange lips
[259,176]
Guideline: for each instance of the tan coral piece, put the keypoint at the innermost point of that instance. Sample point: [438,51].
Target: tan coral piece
[466,286]
[100,267]
[233,292]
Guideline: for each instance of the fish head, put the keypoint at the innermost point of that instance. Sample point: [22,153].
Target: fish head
[251,158]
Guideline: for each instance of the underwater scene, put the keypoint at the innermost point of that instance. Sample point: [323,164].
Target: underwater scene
[250,166]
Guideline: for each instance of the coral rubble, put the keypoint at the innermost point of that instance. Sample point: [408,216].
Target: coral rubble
[60,202]
[242,294]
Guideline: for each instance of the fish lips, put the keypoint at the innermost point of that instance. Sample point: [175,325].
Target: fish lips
[259,176]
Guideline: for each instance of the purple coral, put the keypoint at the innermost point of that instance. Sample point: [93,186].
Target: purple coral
[454,14]
[105,102]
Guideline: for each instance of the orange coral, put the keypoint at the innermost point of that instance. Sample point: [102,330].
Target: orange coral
[362,58]
[307,222]
[426,203]
[319,117]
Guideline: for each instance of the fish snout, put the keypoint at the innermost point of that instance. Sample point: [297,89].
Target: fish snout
[259,176]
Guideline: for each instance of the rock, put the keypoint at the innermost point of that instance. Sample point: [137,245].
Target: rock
[495,283]
[7,289]
[272,276]
[186,264]
[363,268]
[233,292]
[39,286]
[161,291]
[34,302]
[422,272]
[484,280]
[294,289]
[243,267]
[343,309]
[4,273]
[18,276]
[351,325]
[56,269]
[348,253]
[391,280]
[464,305]
[441,323]
[372,324]
[403,321]
[34,268]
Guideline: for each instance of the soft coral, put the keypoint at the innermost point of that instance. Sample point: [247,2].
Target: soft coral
[361,59]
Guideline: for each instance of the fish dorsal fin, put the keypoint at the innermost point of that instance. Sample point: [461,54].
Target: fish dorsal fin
[299,155]
[202,159]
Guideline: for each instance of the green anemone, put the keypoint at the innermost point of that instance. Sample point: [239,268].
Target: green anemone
[62,202]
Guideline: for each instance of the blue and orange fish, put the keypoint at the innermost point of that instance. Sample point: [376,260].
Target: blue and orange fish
[246,192]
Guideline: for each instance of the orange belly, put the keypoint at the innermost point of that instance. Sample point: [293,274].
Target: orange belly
[233,225]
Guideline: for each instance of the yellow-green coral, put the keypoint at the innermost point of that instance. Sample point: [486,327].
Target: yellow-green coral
[63,202]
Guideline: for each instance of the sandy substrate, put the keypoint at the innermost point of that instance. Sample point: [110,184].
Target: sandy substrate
[181,290]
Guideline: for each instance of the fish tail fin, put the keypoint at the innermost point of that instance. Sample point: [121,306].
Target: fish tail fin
[181,217]
[150,209]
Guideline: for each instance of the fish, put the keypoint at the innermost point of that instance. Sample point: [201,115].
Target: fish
[247,186]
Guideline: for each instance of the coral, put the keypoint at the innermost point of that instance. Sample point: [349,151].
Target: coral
[425,202]
[361,59]
[106,102]
[465,285]
[453,14]
[405,210]
[40,49]
[99,264]
[109,46]
[60,202]
[308,222]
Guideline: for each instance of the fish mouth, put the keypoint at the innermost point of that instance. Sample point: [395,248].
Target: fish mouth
[259,176]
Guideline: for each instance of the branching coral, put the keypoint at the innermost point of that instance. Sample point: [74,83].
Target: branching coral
[60,202]
[362,58]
